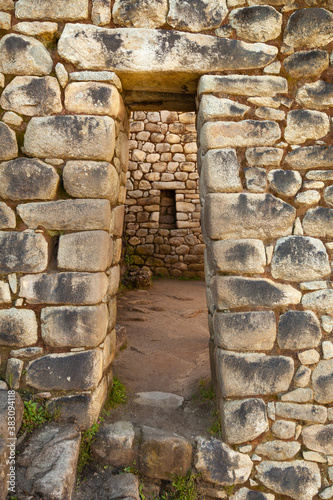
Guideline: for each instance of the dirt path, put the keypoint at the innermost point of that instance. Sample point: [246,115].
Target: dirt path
[167,335]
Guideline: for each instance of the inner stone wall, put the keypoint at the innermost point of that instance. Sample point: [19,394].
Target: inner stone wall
[162,221]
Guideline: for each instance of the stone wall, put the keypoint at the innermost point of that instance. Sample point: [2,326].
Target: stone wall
[162,221]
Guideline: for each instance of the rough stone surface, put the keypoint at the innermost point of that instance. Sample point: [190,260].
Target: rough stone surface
[247,216]
[94,98]
[101,12]
[213,108]
[278,450]
[257,23]
[158,399]
[328,196]
[322,380]
[114,444]
[283,429]
[85,251]
[45,30]
[306,412]
[140,13]
[300,258]
[256,179]
[31,57]
[297,479]
[90,179]
[198,15]
[23,252]
[70,326]
[31,95]
[14,371]
[28,179]
[238,256]
[219,464]
[19,406]
[66,371]
[220,171]
[269,157]
[292,323]
[230,292]
[317,95]
[305,64]
[309,28]
[243,85]
[243,420]
[319,438]
[303,124]
[59,10]
[318,222]
[8,143]
[320,301]
[285,182]
[18,327]
[310,157]
[253,374]
[307,198]
[75,215]
[245,331]
[48,462]
[247,494]
[7,217]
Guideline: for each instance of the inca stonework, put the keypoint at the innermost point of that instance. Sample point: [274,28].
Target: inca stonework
[259,77]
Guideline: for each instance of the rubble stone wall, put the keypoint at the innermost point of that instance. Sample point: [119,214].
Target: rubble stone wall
[162,221]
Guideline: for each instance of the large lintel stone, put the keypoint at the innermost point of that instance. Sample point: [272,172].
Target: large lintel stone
[158,59]
[60,10]
[71,136]
[265,86]
[22,252]
[247,215]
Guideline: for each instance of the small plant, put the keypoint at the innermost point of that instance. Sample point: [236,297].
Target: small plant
[88,437]
[206,390]
[35,414]
[117,395]
[131,469]
[185,487]
[215,428]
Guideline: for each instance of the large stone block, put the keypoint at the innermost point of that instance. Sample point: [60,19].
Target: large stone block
[164,60]
[66,371]
[322,380]
[64,288]
[91,179]
[300,258]
[297,479]
[306,412]
[247,216]
[18,327]
[267,86]
[22,252]
[8,143]
[217,135]
[257,23]
[278,450]
[245,331]
[70,326]
[303,124]
[28,179]
[253,374]
[198,15]
[31,95]
[318,222]
[213,108]
[72,215]
[243,420]
[233,291]
[94,98]
[266,157]
[320,301]
[87,251]
[306,64]
[140,13]
[317,95]
[7,217]
[238,256]
[218,463]
[309,28]
[59,10]
[292,323]
[220,171]
[24,55]
[310,157]
[71,136]
[114,444]
[319,438]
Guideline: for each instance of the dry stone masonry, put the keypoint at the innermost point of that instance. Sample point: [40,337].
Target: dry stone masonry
[259,76]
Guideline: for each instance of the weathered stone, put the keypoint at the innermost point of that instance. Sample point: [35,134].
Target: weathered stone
[247,216]
[49,462]
[66,371]
[256,24]
[270,113]
[307,198]
[140,13]
[5,21]
[285,182]
[297,479]
[238,256]
[158,399]
[199,16]
[64,288]
[114,444]
[7,217]
[5,296]
[246,494]
[253,374]
[14,370]
[318,222]
[292,323]
[96,76]
[317,95]
[306,412]
[59,10]
[298,258]
[320,301]
[71,136]
[245,331]
[217,463]
[101,12]
[18,327]
[327,348]
[27,352]
[85,251]
[5,398]
[94,98]
[5,466]
[12,119]
[322,380]
[309,357]
[69,326]
[23,252]
[75,215]
[8,143]
[90,179]
[310,157]
[45,29]
[300,395]
[32,95]
[327,493]
[256,179]
[28,179]
[278,450]
[229,292]
[305,64]
[61,74]
[303,124]
[31,57]
[163,453]
[309,28]
[319,438]
[7,4]
[243,85]
[220,171]
[163,53]
[213,108]
[283,429]
[328,195]
[243,420]
[270,157]
[122,486]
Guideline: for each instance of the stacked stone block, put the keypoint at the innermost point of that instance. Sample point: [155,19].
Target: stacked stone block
[162,221]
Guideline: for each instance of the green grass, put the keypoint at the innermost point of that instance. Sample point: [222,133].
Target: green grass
[88,437]
[117,396]
[35,414]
